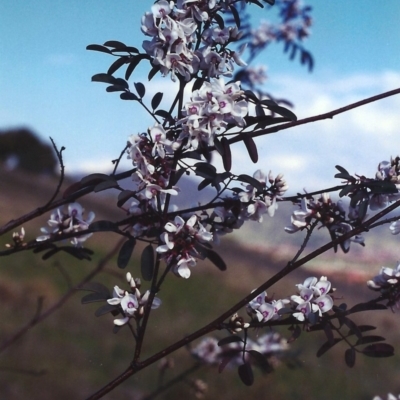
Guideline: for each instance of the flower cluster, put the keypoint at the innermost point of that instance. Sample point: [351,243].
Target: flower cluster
[150,155]
[324,210]
[387,172]
[18,239]
[173,45]
[209,352]
[387,277]
[131,304]
[266,201]
[329,214]
[312,298]
[295,26]
[212,108]
[182,244]
[62,222]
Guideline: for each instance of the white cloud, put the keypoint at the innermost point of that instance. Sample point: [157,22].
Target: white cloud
[61,59]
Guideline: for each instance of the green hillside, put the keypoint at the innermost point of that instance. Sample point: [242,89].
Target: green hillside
[72,353]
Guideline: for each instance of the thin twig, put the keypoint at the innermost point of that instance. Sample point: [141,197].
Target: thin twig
[62,168]
[118,160]
[39,317]
[172,382]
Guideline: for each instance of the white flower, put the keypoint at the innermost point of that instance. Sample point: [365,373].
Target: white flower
[395,227]
[300,217]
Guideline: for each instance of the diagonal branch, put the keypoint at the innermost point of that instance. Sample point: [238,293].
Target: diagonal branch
[328,115]
[216,324]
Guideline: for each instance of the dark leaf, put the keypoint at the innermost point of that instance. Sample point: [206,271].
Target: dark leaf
[50,253]
[93,179]
[367,307]
[219,20]
[294,51]
[258,3]
[109,184]
[125,253]
[128,96]
[115,43]
[362,328]
[124,196]
[165,114]
[344,176]
[226,156]
[285,310]
[176,176]
[192,154]
[326,346]
[113,88]
[251,148]
[235,15]
[260,110]
[379,350]
[121,82]
[97,47]
[313,317]
[205,170]
[306,58]
[105,310]
[141,90]
[153,71]
[329,334]
[369,339]
[117,65]
[350,357]
[230,339]
[70,190]
[246,374]
[127,49]
[156,100]
[104,78]
[216,259]
[261,361]
[346,190]
[250,95]
[147,263]
[117,328]
[204,184]
[354,328]
[77,252]
[94,297]
[95,287]
[363,208]
[342,170]
[102,226]
[197,84]
[252,181]
[272,2]
[268,102]
[218,146]
[224,362]
[284,112]
[131,67]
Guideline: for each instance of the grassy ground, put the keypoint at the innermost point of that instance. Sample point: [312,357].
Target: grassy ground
[72,353]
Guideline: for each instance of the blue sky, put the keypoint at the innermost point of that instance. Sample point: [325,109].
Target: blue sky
[45,84]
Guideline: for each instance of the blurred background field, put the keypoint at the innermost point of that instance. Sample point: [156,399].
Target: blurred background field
[72,353]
